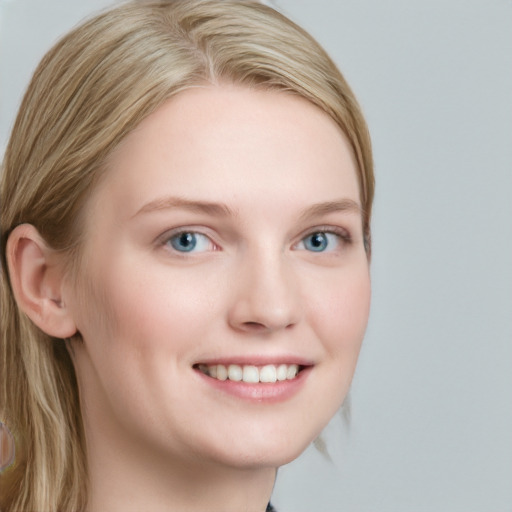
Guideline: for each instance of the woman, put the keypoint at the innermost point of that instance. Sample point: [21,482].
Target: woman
[186,200]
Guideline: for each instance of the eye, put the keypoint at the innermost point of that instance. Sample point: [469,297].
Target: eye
[189,241]
[321,241]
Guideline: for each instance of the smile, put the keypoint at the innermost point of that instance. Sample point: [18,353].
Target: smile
[251,374]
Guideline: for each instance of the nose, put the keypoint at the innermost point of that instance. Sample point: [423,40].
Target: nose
[266,296]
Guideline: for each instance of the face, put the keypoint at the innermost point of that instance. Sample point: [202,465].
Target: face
[226,288]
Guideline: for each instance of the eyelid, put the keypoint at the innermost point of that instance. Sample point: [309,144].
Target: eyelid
[343,239]
[343,233]
[164,238]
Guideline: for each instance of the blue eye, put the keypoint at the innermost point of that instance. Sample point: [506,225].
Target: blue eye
[188,241]
[320,241]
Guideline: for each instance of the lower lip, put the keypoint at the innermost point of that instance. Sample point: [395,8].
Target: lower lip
[260,392]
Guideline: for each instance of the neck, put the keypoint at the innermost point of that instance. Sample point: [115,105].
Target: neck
[124,478]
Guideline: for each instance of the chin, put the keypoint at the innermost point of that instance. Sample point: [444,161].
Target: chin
[264,447]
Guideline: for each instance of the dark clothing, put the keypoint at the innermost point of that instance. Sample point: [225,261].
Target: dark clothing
[270,508]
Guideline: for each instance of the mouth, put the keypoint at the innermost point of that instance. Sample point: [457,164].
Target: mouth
[251,374]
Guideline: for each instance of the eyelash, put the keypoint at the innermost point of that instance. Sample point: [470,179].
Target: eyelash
[167,239]
[342,235]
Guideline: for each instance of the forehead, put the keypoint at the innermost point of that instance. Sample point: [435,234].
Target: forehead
[232,144]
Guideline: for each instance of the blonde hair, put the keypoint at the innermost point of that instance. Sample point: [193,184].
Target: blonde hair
[87,94]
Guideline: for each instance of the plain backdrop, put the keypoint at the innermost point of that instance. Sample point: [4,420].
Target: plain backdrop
[431,413]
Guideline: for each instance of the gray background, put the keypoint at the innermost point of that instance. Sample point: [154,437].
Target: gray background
[431,420]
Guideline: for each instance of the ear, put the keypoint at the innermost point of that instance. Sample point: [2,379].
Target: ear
[36,274]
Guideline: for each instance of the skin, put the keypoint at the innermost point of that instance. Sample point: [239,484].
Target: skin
[159,436]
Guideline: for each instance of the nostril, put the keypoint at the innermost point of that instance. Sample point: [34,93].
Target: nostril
[254,326]
[258,313]
[261,328]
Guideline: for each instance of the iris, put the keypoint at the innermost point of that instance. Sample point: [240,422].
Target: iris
[317,242]
[184,242]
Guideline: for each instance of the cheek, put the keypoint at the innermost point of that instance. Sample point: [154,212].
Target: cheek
[140,328]
[146,310]
[340,314]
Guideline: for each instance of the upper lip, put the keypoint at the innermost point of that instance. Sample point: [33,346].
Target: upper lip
[256,360]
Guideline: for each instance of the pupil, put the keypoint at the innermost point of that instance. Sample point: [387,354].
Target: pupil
[318,241]
[186,239]
[184,242]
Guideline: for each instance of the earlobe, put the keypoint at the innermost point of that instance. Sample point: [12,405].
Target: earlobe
[37,280]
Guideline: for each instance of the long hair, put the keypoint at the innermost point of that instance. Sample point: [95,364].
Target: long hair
[91,89]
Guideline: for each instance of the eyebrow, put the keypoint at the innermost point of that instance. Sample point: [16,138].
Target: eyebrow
[209,208]
[222,210]
[341,205]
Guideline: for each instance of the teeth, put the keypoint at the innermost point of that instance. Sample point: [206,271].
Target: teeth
[268,373]
[234,372]
[220,371]
[251,374]
[292,371]
[282,372]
